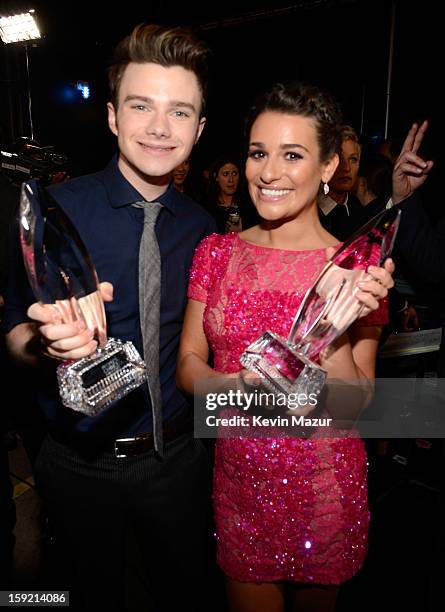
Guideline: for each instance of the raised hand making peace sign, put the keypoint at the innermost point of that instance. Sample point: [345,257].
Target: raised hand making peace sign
[410,170]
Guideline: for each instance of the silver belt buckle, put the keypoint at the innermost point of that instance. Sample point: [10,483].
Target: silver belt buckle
[119,451]
[139,443]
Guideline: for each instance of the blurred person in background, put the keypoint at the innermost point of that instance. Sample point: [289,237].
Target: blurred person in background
[180,174]
[339,209]
[226,202]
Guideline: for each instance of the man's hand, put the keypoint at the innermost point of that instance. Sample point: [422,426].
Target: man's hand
[234,227]
[65,340]
[410,170]
[410,319]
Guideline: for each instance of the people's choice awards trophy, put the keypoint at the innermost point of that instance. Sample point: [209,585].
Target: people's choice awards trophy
[61,273]
[329,307]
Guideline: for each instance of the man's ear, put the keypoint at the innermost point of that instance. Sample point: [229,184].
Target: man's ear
[112,119]
[329,168]
[201,125]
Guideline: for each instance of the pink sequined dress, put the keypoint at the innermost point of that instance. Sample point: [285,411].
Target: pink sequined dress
[285,509]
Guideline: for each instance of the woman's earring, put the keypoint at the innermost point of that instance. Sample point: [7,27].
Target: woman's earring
[325,188]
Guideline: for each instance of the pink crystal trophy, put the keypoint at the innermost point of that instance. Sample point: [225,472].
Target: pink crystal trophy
[329,307]
[61,273]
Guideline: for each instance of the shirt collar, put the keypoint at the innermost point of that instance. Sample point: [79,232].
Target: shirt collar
[327,204]
[122,193]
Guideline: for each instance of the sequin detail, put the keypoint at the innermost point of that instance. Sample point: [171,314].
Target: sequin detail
[285,509]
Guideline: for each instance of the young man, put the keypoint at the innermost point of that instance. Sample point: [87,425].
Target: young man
[137,524]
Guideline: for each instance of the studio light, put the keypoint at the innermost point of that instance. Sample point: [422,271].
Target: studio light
[19,28]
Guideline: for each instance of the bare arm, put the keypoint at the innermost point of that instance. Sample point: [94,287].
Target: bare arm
[351,370]
[352,357]
[193,350]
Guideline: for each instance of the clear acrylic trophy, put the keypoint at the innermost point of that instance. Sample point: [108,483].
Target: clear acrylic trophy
[61,273]
[329,307]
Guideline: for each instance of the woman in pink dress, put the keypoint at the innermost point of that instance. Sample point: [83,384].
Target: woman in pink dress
[291,513]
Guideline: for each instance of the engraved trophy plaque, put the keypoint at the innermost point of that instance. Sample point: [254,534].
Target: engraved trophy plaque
[61,273]
[329,307]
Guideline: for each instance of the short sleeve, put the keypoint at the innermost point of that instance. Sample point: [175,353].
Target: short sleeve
[202,268]
[376,317]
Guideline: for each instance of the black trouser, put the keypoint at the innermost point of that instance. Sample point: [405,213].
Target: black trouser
[133,533]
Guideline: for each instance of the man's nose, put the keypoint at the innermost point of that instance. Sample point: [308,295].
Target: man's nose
[158,125]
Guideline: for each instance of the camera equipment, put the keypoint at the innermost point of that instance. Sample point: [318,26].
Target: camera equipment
[26,159]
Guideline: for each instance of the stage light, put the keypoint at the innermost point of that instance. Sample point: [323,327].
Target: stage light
[19,28]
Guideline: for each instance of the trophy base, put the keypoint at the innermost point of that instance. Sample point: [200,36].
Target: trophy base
[91,384]
[282,368]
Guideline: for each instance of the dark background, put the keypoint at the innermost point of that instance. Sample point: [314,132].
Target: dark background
[342,45]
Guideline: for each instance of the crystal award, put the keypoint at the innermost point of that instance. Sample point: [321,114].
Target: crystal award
[61,273]
[329,307]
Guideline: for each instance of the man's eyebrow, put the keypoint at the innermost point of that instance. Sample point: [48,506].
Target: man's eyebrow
[131,97]
[172,103]
[181,104]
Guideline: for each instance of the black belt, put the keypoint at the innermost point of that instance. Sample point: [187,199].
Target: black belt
[130,446]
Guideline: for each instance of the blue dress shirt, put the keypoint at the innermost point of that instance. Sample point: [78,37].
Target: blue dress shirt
[100,206]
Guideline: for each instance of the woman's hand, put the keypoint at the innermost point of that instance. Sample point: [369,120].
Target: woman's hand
[252,383]
[371,291]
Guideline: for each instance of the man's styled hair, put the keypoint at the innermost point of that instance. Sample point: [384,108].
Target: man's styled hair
[157,44]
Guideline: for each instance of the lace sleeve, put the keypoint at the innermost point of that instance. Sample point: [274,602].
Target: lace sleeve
[377,317]
[202,268]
